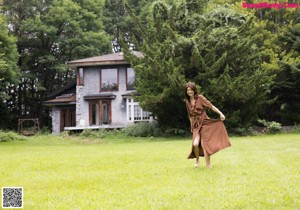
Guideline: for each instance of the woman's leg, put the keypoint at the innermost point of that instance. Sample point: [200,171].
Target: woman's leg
[207,156]
[196,149]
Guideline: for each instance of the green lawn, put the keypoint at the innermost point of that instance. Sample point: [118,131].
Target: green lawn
[261,172]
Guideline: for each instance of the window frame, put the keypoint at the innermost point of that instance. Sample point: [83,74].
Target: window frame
[144,115]
[118,82]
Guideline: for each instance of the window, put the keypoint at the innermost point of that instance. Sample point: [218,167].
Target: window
[135,113]
[99,112]
[94,113]
[109,80]
[130,79]
[80,77]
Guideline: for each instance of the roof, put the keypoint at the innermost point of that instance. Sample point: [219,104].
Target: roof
[64,96]
[65,99]
[70,88]
[109,59]
[132,93]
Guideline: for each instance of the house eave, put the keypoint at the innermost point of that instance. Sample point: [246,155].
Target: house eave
[100,96]
[51,104]
[96,63]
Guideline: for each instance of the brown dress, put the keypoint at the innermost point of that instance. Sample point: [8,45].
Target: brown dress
[213,134]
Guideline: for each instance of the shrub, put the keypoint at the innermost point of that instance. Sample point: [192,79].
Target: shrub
[270,127]
[101,133]
[296,129]
[143,129]
[175,131]
[44,131]
[65,134]
[10,136]
[239,131]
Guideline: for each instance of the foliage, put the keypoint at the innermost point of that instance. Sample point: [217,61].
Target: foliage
[175,132]
[245,60]
[241,131]
[9,72]
[64,134]
[270,127]
[6,136]
[44,131]
[101,133]
[296,129]
[143,129]
[219,53]
[117,22]
[287,80]
[50,33]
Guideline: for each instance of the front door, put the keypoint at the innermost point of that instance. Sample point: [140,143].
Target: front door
[67,118]
[99,112]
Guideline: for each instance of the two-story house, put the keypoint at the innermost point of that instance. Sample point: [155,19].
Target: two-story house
[102,97]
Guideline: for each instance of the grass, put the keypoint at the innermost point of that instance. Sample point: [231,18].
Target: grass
[260,172]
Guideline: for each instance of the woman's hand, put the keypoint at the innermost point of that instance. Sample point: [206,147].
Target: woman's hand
[222,117]
[216,110]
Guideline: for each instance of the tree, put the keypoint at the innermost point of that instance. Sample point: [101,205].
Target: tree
[118,24]
[9,71]
[50,33]
[280,57]
[214,48]
[287,81]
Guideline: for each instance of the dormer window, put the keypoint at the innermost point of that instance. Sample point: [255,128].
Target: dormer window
[109,80]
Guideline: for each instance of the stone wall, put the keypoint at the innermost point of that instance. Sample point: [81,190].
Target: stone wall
[55,120]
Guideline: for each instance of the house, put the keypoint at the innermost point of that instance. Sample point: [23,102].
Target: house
[102,97]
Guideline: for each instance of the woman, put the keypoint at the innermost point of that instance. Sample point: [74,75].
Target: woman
[209,135]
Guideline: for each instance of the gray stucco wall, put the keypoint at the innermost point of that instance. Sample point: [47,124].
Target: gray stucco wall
[92,86]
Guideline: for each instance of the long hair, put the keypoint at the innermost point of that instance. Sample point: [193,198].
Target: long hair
[193,87]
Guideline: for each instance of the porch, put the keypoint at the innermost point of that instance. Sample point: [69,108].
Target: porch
[94,127]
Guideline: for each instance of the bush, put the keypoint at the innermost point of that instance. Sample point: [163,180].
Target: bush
[270,127]
[175,131]
[296,129]
[64,134]
[101,133]
[10,136]
[143,129]
[44,131]
[241,131]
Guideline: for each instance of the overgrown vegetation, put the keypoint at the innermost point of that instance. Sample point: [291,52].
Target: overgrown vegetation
[143,129]
[270,127]
[6,136]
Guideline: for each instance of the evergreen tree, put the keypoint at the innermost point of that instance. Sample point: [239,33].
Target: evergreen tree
[214,48]
[280,57]
[287,81]
[118,24]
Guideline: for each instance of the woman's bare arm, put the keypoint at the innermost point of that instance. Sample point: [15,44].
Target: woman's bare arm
[216,110]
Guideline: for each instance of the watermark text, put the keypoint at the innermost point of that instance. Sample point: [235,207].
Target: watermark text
[266,5]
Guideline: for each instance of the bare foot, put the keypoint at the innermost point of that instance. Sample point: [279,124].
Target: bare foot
[208,166]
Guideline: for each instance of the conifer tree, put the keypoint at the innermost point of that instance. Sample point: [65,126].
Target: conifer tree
[213,48]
